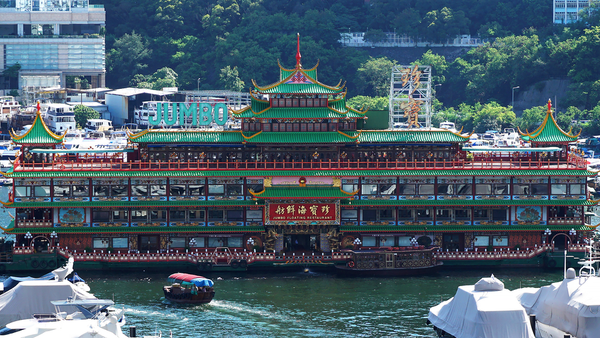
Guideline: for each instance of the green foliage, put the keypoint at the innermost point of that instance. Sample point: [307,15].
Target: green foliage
[531,118]
[438,63]
[375,35]
[12,71]
[374,76]
[229,79]
[360,102]
[83,113]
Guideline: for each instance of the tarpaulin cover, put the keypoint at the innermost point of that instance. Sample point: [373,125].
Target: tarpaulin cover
[489,312]
[199,281]
[572,306]
[12,281]
[34,297]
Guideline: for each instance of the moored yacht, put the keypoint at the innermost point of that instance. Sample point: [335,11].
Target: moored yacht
[60,117]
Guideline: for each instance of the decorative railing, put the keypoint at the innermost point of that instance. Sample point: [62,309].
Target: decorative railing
[28,223]
[435,164]
[500,253]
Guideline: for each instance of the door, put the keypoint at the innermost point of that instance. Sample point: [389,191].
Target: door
[452,242]
[149,243]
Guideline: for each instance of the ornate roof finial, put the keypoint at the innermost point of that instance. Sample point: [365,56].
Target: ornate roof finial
[38,107]
[298,56]
[549,106]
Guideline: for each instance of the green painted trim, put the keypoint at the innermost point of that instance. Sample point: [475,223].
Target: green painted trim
[467,202]
[127,230]
[92,204]
[290,172]
[288,192]
[459,228]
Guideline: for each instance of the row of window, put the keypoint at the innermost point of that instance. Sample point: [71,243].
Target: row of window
[424,214]
[466,189]
[174,242]
[175,215]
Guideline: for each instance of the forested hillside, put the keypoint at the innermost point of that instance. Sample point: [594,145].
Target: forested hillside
[226,43]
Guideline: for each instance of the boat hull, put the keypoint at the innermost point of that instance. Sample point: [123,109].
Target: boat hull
[187,297]
[416,271]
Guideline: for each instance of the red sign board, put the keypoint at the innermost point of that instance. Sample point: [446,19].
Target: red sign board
[302,212]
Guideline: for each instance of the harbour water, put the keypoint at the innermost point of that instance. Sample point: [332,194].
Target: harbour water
[298,304]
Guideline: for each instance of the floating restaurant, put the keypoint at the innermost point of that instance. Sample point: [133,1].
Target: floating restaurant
[303,183]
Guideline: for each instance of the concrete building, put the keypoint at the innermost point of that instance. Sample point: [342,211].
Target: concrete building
[568,11]
[51,40]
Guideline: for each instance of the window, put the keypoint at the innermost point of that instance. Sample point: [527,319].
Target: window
[196,190]
[62,191]
[101,191]
[120,243]
[462,214]
[22,191]
[424,214]
[386,215]
[443,214]
[139,190]
[177,190]
[199,242]
[177,242]
[369,215]
[499,215]
[378,189]
[349,187]
[369,189]
[101,215]
[491,189]
[158,190]
[386,241]
[158,215]
[426,189]
[214,242]
[577,189]
[408,189]
[539,189]
[369,241]
[235,215]
[118,190]
[500,240]
[215,215]
[349,215]
[234,190]
[481,214]
[234,242]
[481,241]
[405,214]
[42,191]
[101,243]
[138,215]
[455,189]
[254,215]
[196,215]
[559,189]
[83,191]
[177,214]
[216,189]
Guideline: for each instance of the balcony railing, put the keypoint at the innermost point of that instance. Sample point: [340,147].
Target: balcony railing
[564,220]
[491,162]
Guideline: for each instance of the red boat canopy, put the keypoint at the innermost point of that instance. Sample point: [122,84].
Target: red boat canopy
[185,277]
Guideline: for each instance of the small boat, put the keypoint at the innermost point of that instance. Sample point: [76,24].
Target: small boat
[187,288]
[390,262]
[485,309]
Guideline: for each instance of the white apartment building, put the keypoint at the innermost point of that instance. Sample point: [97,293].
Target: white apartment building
[52,39]
[568,11]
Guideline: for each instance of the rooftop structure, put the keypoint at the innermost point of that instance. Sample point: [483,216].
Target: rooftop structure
[569,11]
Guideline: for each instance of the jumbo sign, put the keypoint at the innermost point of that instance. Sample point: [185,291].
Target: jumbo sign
[201,114]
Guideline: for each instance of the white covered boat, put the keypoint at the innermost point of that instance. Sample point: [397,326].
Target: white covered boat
[483,310]
[569,307]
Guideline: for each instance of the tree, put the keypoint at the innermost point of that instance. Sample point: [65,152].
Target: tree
[375,35]
[374,76]
[531,118]
[127,58]
[229,79]
[360,102]
[83,114]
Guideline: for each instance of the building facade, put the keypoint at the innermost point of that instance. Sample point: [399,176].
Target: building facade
[569,11]
[51,40]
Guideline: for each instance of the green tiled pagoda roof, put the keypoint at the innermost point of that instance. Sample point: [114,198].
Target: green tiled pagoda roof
[300,88]
[296,192]
[285,73]
[311,173]
[299,113]
[186,136]
[486,202]
[549,131]
[37,134]
[460,228]
[100,204]
[157,229]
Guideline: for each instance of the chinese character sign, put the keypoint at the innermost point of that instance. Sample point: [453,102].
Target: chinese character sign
[302,212]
